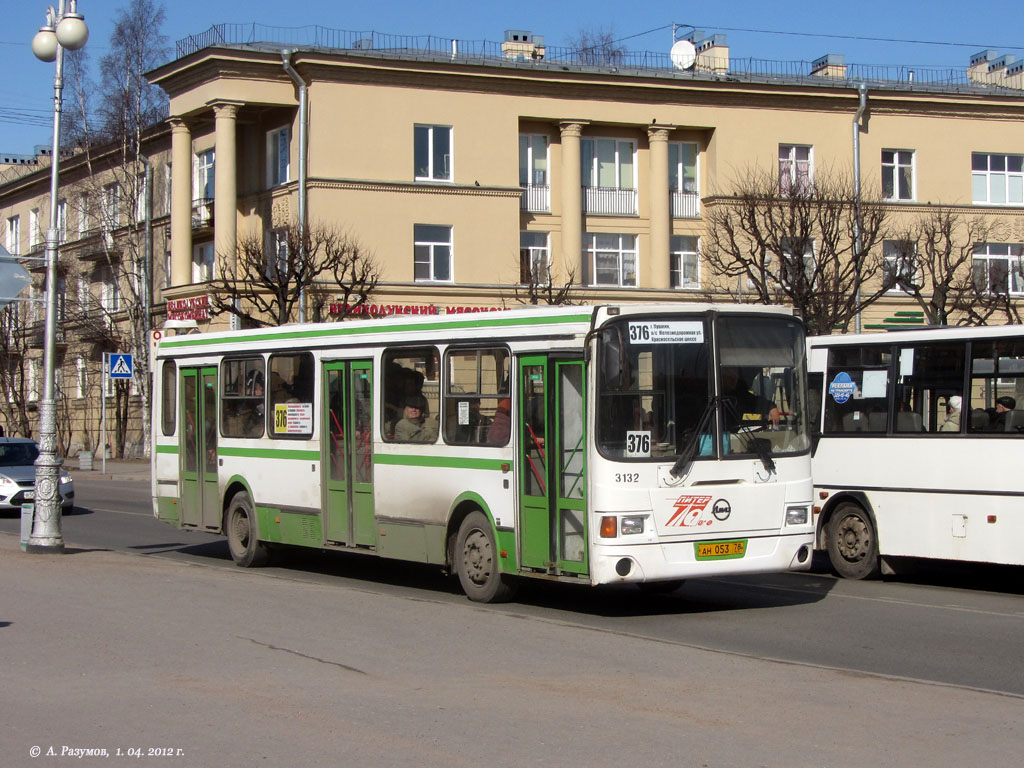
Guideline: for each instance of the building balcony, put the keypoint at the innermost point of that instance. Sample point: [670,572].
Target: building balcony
[202,213]
[609,201]
[536,198]
[685,205]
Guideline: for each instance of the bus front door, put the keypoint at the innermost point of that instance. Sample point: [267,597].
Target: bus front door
[347,460]
[200,499]
[552,459]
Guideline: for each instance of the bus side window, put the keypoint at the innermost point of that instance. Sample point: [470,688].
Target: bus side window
[169,398]
[291,395]
[411,380]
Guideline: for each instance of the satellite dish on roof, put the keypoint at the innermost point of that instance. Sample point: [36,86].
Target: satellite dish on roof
[683,54]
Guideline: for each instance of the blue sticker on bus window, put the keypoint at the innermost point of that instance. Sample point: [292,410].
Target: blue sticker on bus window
[841,388]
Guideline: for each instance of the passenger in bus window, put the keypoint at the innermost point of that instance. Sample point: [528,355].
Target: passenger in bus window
[749,406]
[952,420]
[997,416]
[416,426]
[501,425]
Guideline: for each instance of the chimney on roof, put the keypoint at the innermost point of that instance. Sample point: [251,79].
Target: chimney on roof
[830,65]
[523,44]
[712,51]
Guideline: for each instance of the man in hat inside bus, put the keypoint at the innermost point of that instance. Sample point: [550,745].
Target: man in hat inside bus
[501,426]
[415,426]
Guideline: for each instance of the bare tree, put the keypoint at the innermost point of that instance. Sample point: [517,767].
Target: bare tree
[267,278]
[598,47]
[110,129]
[14,360]
[537,285]
[796,245]
[932,262]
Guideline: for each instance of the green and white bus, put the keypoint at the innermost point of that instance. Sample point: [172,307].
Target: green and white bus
[633,443]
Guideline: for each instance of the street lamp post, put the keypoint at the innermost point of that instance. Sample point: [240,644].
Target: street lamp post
[63,29]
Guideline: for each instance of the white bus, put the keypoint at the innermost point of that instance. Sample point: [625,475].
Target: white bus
[919,446]
[584,444]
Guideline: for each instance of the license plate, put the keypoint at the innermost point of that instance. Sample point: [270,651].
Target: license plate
[29,495]
[720,550]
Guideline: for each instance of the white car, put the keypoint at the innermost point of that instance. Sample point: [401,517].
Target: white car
[18,475]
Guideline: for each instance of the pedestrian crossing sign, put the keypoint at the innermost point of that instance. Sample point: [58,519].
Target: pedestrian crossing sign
[121,366]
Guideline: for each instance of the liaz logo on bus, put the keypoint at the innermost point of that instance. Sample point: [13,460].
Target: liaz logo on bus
[690,512]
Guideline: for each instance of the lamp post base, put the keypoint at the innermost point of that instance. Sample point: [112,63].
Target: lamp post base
[45,546]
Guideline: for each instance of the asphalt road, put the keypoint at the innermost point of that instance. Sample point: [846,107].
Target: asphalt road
[950,625]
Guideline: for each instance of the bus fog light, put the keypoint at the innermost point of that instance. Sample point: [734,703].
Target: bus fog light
[624,566]
[796,515]
[632,525]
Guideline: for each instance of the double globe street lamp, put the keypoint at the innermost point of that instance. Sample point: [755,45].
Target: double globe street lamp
[64,29]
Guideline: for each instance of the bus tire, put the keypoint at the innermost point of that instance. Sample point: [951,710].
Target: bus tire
[853,543]
[476,562]
[240,525]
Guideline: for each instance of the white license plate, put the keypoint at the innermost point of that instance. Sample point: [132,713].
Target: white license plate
[30,495]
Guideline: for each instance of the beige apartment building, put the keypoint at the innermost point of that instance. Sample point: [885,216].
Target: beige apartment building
[468,169]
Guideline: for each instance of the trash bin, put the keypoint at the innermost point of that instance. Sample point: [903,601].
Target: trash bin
[85,460]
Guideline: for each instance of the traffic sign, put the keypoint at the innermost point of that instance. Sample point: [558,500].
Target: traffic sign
[121,367]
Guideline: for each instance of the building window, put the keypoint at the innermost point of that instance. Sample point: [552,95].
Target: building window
[84,295]
[14,235]
[83,215]
[998,268]
[279,145]
[140,197]
[433,152]
[34,233]
[795,170]
[203,267]
[611,259]
[899,266]
[81,379]
[683,179]
[110,296]
[62,221]
[111,214]
[33,380]
[277,254]
[608,173]
[897,174]
[534,258]
[168,178]
[432,258]
[204,175]
[533,173]
[684,265]
[997,179]
[167,268]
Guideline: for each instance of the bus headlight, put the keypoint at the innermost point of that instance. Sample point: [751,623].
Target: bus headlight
[796,516]
[630,525]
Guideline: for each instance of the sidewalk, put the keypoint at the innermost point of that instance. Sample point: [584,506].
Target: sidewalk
[115,469]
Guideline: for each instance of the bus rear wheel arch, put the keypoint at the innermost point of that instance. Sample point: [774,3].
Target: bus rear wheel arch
[475,560]
[240,526]
[852,542]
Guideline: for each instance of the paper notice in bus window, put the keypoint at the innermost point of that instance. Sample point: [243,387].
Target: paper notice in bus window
[293,418]
[638,444]
[667,332]
[873,384]
[463,413]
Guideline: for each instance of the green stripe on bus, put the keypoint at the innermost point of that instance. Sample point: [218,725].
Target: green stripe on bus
[448,462]
[269,453]
[167,449]
[350,329]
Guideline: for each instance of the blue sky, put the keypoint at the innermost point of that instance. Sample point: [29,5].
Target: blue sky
[753,29]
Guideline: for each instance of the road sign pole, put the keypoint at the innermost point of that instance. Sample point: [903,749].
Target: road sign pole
[103,412]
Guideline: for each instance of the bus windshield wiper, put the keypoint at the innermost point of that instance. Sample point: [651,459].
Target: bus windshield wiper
[751,444]
[682,465]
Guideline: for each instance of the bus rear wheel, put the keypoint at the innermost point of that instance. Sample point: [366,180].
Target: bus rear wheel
[853,543]
[476,562]
[240,527]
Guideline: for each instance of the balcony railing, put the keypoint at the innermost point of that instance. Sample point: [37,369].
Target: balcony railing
[202,213]
[536,199]
[685,205]
[609,201]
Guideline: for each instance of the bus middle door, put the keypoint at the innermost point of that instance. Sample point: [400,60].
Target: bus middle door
[348,452]
[200,498]
[552,460]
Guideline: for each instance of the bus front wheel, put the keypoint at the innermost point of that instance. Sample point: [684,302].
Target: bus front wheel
[853,543]
[476,562]
[240,526]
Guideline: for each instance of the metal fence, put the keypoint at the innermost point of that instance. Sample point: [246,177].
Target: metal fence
[484,51]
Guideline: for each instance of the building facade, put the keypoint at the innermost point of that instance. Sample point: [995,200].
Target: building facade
[476,172]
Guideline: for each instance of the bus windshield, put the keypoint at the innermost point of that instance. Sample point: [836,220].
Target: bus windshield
[656,388]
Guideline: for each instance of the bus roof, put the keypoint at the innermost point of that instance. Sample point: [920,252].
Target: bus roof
[520,322]
[932,333]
